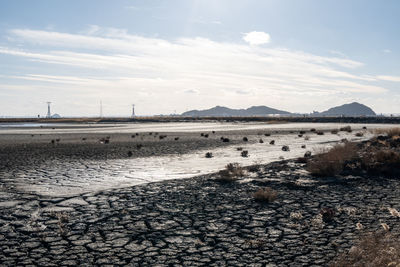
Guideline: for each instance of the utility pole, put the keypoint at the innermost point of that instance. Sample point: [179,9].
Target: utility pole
[133,110]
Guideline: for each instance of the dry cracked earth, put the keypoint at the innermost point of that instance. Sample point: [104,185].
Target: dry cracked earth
[199,222]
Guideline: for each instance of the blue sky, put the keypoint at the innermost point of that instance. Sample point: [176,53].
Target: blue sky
[171,56]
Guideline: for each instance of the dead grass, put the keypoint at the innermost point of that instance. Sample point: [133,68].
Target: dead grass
[391,132]
[374,249]
[232,172]
[386,156]
[265,195]
[330,163]
[382,161]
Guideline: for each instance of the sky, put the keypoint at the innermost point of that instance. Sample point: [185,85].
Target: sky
[173,56]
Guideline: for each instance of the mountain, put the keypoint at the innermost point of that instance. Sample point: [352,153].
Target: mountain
[219,111]
[352,109]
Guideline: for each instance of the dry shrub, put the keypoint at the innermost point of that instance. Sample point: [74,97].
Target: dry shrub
[327,214]
[346,129]
[374,249]
[265,195]
[335,131]
[386,156]
[244,153]
[391,132]
[359,134]
[232,172]
[384,161]
[330,163]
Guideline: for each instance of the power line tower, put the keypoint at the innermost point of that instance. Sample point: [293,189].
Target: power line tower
[133,110]
[48,110]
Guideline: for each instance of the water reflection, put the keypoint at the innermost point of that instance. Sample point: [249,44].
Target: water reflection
[76,177]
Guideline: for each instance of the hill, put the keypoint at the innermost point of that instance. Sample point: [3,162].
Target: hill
[353,109]
[219,111]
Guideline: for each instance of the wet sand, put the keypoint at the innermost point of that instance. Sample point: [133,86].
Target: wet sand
[190,222]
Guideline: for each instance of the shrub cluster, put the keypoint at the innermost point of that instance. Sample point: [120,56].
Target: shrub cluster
[330,163]
[265,195]
[374,249]
[232,172]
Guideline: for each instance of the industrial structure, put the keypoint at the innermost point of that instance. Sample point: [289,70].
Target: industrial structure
[133,110]
[48,110]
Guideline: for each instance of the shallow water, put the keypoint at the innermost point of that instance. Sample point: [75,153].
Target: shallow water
[69,178]
[63,128]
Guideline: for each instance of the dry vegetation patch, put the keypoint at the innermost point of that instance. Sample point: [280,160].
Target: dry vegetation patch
[331,162]
[391,132]
[265,195]
[383,161]
[346,129]
[374,249]
[232,172]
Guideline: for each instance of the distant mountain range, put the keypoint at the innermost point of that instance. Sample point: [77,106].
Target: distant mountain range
[352,109]
[219,111]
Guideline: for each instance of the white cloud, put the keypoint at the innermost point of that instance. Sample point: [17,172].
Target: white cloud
[387,51]
[202,20]
[257,38]
[191,91]
[243,92]
[121,67]
[389,78]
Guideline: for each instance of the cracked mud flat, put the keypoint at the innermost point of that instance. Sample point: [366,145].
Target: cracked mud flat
[189,222]
[198,221]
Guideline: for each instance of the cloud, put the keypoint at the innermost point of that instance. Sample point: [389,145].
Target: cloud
[191,91]
[388,78]
[243,92]
[112,64]
[257,38]
[201,20]
[387,51]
